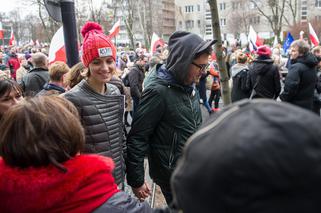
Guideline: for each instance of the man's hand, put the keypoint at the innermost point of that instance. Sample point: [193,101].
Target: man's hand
[142,192]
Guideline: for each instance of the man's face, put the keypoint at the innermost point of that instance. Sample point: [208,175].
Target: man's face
[294,52]
[196,68]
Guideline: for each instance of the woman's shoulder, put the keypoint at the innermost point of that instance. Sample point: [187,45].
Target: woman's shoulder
[112,89]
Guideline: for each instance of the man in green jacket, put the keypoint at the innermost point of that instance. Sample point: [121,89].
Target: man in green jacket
[168,113]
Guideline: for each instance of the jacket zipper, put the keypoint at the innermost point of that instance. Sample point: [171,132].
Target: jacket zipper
[190,101]
[173,148]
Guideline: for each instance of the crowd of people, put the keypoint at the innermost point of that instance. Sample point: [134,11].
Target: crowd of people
[67,143]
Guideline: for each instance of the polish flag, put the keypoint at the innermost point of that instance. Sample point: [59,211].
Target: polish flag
[301,35]
[31,43]
[313,36]
[156,42]
[37,43]
[57,50]
[114,30]
[254,40]
[12,41]
[1,31]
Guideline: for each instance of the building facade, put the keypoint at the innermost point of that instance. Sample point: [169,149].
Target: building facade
[235,17]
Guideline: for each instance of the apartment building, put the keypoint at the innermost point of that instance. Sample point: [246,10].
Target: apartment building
[235,17]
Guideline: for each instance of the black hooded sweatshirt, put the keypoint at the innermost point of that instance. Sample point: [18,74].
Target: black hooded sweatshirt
[300,81]
[269,85]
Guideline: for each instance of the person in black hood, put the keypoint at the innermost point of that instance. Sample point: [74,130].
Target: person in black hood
[300,81]
[264,75]
[168,113]
[271,164]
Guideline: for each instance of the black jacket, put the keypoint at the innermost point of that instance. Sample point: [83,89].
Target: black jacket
[34,81]
[269,85]
[102,119]
[136,77]
[300,81]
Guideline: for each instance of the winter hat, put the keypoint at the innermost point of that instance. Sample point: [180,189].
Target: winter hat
[264,51]
[96,43]
[254,156]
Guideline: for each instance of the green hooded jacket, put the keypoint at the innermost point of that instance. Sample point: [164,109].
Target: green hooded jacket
[167,115]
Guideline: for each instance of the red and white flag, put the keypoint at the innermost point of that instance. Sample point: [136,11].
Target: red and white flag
[57,50]
[31,43]
[156,42]
[301,35]
[114,30]
[12,40]
[37,43]
[313,36]
[1,31]
[254,40]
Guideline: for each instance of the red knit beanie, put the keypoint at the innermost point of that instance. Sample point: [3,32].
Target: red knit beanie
[96,43]
[264,50]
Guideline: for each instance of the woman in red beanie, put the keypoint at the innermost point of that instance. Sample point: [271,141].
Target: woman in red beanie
[43,171]
[100,104]
[264,76]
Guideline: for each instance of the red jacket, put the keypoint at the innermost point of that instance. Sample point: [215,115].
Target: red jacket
[13,64]
[86,185]
[216,75]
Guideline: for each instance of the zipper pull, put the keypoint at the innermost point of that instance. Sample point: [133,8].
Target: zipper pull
[193,93]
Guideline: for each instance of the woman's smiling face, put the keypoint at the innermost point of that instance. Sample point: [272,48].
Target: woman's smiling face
[102,69]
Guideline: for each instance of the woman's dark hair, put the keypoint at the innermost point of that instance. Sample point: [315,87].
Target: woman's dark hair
[41,131]
[7,85]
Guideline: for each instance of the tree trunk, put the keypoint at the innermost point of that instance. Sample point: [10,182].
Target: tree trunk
[225,88]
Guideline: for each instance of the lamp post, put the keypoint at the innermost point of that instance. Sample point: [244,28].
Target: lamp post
[64,11]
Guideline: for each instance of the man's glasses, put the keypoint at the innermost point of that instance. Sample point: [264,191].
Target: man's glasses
[202,67]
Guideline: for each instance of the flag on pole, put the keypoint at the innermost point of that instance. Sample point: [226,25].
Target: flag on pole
[57,50]
[287,43]
[254,40]
[114,30]
[301,35]
[12,40]
[31,43]
[1,32]
[313,36]
[275,42]
[156,42]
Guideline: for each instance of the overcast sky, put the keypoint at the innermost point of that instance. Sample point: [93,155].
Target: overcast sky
[8,5]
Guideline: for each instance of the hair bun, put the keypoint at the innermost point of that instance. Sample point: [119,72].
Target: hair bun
[90,26]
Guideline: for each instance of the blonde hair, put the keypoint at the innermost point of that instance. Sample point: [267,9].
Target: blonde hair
[57,70]
[241,58]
